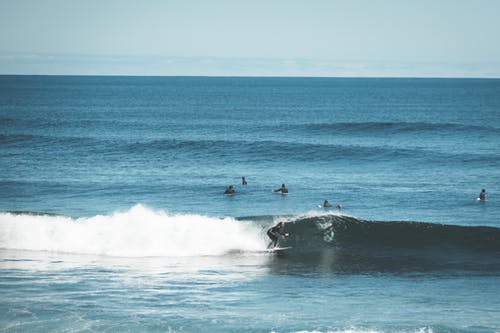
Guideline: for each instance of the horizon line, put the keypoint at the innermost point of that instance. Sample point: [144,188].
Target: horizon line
[207,66]
[262,76]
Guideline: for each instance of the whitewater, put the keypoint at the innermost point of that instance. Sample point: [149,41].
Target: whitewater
[138,232]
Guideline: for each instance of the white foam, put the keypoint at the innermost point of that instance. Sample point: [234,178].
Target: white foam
[343,331]
[138,232]
[355,330]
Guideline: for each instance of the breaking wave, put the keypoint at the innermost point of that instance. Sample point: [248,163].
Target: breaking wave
[340,243]
[138,232]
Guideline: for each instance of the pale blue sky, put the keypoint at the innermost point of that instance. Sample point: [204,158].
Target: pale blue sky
[437,38]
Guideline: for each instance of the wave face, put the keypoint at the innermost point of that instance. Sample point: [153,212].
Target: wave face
[352,232]
[354,244]
[139,232]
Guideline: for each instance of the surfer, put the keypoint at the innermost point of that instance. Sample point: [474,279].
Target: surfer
[326,204]
[230,190]
[275,233]
[482,195]
[243,180]
[283,189]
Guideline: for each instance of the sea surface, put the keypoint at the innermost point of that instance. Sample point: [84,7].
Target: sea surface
[113,217]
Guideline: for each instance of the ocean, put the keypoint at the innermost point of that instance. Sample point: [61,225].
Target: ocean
[113,217]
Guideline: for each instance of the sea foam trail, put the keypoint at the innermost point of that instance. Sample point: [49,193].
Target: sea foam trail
[138,232]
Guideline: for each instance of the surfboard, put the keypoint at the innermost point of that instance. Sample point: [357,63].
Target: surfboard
[279,192]
[321,206]
[479,199]
[277,249]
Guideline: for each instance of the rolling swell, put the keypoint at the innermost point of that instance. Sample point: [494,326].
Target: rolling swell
[267,150]
[392,246]
[384,128]
[255,151]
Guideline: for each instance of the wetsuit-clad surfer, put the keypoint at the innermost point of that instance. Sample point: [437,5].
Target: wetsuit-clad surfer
[283,189]
[482,195]
[230,190]
[275,233]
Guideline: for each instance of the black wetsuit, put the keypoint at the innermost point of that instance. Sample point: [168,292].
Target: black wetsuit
[274,233]
[229,190]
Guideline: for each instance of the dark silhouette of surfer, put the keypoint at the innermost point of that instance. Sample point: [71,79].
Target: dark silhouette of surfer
[482,195]
[282,189]
[230,190]
[275,233]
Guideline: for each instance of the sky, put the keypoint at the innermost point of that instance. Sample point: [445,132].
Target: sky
[351,38]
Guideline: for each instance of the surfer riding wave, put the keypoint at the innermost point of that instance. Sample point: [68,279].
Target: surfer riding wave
[275,233]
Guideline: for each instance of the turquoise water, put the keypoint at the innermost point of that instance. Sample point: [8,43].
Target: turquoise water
[113,217]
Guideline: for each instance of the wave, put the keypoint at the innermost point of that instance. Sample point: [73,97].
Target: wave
[399,127]
[395,245]
[353,232]
[268,150]
[255,151]
[336,242]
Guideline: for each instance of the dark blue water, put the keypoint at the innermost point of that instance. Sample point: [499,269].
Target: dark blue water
[109,182]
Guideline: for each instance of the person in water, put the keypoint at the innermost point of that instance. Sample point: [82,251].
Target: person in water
[243,180]
[283,189]
[275,233]
[482,195]
[230,190]
[326,204]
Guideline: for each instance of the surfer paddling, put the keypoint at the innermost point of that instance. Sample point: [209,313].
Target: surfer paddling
[230,190]
[282,189]
[275,233]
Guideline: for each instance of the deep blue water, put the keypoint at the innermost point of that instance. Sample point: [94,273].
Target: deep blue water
[113,217]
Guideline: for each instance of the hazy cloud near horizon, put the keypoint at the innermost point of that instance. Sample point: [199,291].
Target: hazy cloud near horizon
[259,38]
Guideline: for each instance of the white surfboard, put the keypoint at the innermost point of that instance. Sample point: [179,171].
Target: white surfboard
[279,192]
[277,249]
[321,206]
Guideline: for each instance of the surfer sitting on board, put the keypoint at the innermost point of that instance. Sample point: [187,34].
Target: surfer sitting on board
[283,189]
[482,195]
[243,180]
[275,233]
[230,190]
[326,204]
